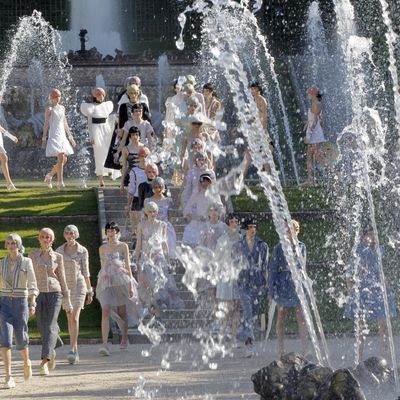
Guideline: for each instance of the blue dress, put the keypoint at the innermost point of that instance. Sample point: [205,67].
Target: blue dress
[280,282]
[370,293]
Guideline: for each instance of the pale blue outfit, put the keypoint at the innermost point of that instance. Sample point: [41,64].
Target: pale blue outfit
[280,282]
[251,280]
[370,294]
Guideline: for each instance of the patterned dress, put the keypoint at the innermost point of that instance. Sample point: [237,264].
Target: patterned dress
[76,268]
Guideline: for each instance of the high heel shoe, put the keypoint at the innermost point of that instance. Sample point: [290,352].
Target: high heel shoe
[11,186]
[61,185]
[47,181]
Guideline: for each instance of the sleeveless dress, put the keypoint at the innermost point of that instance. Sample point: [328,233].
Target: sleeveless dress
[113,281]
[317,134]
[156,286]
[57,141]
[164,205]
[76,267]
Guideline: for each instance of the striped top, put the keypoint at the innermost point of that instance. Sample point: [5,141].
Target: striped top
[17,278]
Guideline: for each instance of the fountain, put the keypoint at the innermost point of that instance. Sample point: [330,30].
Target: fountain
[224,45]
[36,45]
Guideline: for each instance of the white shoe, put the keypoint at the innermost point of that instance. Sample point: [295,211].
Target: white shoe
[52,362]
[44,369]
[103,351]
[9,383]
[47,181]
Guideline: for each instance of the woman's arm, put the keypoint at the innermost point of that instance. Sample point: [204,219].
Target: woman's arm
[138,248]
[45,126]
[125,251]
[84,264]
[165,242]
[124,161]
[68,131]
[60,272]
[316,111]
[183,151]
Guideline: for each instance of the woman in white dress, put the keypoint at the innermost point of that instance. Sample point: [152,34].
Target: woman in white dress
[164,204]
[4,158]
[59,141]
[314,134]
[157,288]
[100,127]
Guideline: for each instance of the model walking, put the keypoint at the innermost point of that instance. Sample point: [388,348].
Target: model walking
[77,275]
[57,138]
[49,270]
[4,157]
[100,128]
[18,291]
[116,287]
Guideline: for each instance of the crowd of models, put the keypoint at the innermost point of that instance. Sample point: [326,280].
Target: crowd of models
[132,292]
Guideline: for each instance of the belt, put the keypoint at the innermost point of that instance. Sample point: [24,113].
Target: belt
[99,120]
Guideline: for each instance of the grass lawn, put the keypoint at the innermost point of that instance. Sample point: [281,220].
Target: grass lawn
[328,277]
[298,199]
[46,202]
[37,202]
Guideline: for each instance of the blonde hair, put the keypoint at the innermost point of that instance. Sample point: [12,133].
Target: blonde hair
[49,231]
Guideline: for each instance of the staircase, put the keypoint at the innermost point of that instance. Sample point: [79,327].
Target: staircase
[178,323]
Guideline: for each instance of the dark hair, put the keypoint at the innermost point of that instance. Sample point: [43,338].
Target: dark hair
[319,96]
[175,84]
[248,221]
[209,87]
[111,225]
[230,216]
[134,129]
[258,86]
[137,106]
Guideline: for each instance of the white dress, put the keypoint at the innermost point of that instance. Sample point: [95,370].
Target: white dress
[2,149]
[197,209]
[6,134]
[156,285]
[57,141]
[164,205]
[317,134]
[101,134]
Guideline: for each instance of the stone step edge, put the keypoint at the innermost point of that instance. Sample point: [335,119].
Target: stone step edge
[47,218]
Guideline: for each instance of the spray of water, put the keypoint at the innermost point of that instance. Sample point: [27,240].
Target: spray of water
[227,55]
[36,45]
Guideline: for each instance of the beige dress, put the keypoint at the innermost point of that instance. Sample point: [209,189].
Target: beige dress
[76,270]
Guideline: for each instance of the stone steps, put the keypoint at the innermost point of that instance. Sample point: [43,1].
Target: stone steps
[179,323]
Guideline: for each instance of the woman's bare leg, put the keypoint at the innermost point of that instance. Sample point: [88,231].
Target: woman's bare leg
[61,161]
[105,323]
[124,316]
[6,354]
[302,330]
[310,164]
[280,328]
[383,338]
[73,328]
[4,168]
